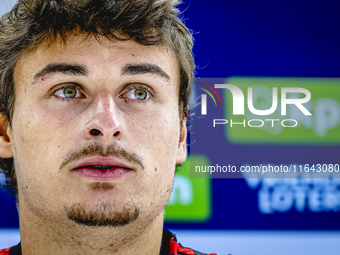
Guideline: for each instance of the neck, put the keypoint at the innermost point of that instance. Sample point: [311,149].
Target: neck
[55,235]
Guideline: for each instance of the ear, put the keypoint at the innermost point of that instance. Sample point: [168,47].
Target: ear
[5,138]
[182,144]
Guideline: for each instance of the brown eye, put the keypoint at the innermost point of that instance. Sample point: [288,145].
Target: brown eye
[140,94]
[70,92]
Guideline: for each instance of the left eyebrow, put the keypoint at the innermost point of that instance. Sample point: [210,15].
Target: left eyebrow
[69,69]
[145,68]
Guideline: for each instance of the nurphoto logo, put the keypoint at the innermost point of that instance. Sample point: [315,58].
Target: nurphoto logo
[239,105]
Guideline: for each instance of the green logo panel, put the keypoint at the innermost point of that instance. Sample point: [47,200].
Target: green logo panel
[323,127]
[190,200]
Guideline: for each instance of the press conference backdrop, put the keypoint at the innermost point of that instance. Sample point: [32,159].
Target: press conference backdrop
[263,45]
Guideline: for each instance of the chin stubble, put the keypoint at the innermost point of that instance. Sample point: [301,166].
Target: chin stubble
[102,216]
[100,186]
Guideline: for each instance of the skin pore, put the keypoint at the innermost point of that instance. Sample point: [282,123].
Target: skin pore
[109,101]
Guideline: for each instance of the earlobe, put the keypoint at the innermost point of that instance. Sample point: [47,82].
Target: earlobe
[182,144]
[5,138]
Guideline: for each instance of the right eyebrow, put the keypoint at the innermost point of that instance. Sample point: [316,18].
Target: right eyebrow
[145,68]
[69,69]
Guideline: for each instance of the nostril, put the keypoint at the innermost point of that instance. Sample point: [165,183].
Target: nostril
[117,133]
[95,132]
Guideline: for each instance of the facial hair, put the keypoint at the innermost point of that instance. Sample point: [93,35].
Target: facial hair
[103,215]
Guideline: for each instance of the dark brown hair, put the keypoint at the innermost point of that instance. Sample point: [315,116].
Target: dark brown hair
[148,22]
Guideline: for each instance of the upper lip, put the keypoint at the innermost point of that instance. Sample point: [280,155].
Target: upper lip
[101,161]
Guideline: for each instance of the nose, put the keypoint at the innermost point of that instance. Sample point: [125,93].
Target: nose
[105,122]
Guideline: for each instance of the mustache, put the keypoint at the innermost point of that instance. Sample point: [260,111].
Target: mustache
[98,149]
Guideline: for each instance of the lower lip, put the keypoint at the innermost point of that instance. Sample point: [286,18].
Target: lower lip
[106,174]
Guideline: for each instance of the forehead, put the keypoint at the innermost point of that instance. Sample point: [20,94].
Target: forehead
[100,55]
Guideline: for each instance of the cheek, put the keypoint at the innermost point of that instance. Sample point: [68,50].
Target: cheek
[155,137]
[36,140]
[38,143]
[156,132]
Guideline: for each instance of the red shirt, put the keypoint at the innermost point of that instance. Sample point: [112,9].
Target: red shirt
[5,251]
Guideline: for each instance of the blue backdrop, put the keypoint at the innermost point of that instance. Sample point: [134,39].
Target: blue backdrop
[289,38]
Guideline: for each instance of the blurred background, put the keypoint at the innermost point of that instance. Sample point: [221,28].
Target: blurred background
[262,44]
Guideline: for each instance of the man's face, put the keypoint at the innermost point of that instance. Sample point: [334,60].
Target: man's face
[96,129]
